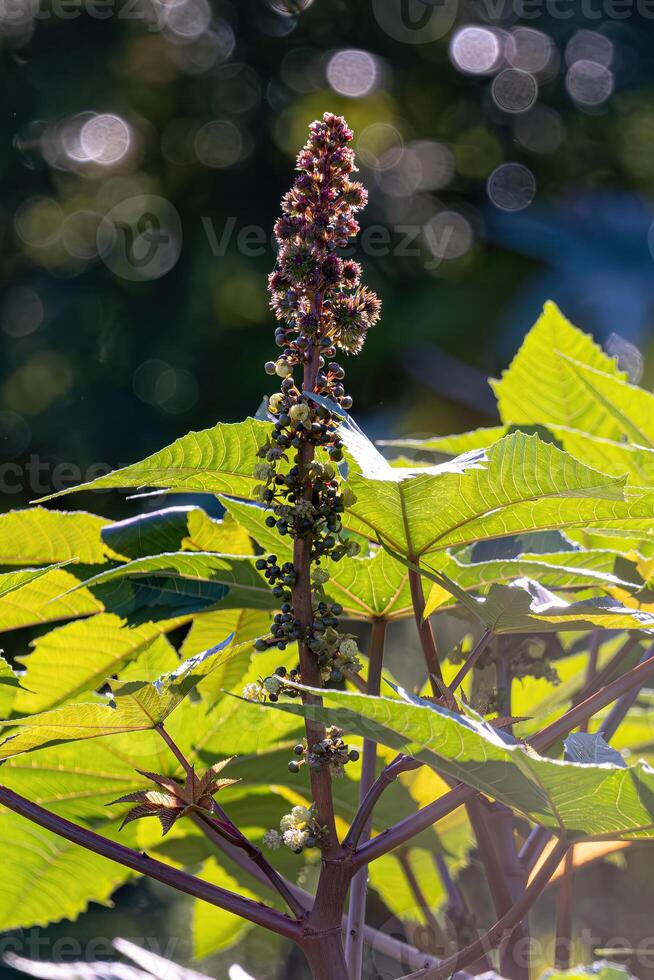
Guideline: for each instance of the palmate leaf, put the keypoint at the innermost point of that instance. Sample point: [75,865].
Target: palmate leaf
[78,658]
[607,455]
[47,599]
[50,879]
[629,407]
[528,607]
[519,484]
[37,536]
[568,570]
[539,387]
[582,801]
[232,580]
[221,459]
[175,529]
[375,587]
[139,706]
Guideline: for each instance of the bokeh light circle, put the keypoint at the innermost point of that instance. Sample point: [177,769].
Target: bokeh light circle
[218,143]
[352,72]
[105,138]
[528,50]
[476,50]
[22,312]
[380,146]
[511,187]
[448,235]
[514,90]
[589,83]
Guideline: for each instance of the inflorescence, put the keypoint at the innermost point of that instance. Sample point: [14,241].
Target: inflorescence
[321,307]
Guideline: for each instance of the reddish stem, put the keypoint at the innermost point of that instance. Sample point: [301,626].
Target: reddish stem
[254,912]
[425,631]
[501,929]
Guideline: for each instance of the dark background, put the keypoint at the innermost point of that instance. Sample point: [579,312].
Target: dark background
[181,120]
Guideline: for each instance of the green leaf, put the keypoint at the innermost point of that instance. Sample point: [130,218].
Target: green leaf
[9,685]
[175,529]
[78,658]
[629,407]
[221,459]
[520,484]
[214,929]
[371,587]
[50,878]
[527,607]
[561,571]
[607,455]
[582,801]
[139,706]
[37,536]
[40,600]
[245,624]
[226,578]
[388,880]
[539,387]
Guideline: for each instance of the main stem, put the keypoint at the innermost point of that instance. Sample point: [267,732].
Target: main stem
[356,917]
[321,783]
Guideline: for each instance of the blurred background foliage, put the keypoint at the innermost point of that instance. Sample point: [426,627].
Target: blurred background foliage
[509,153]
[146,145]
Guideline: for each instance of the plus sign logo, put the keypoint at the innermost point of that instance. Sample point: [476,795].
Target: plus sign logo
[140,239]
[415,21]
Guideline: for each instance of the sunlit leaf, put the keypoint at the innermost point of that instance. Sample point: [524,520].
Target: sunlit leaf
[583,801]
[221,459]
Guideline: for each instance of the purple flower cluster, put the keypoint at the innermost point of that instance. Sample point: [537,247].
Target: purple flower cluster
[316,294]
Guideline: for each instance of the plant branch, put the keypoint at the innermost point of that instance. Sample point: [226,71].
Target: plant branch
[254,912]
[356,916]
[476,653]
[564,914]
[175,749]
[501,929]
[405,954]
[400,764]
[256,856]
[425,631]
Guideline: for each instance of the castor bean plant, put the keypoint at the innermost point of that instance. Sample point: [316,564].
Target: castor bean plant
[227,676]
